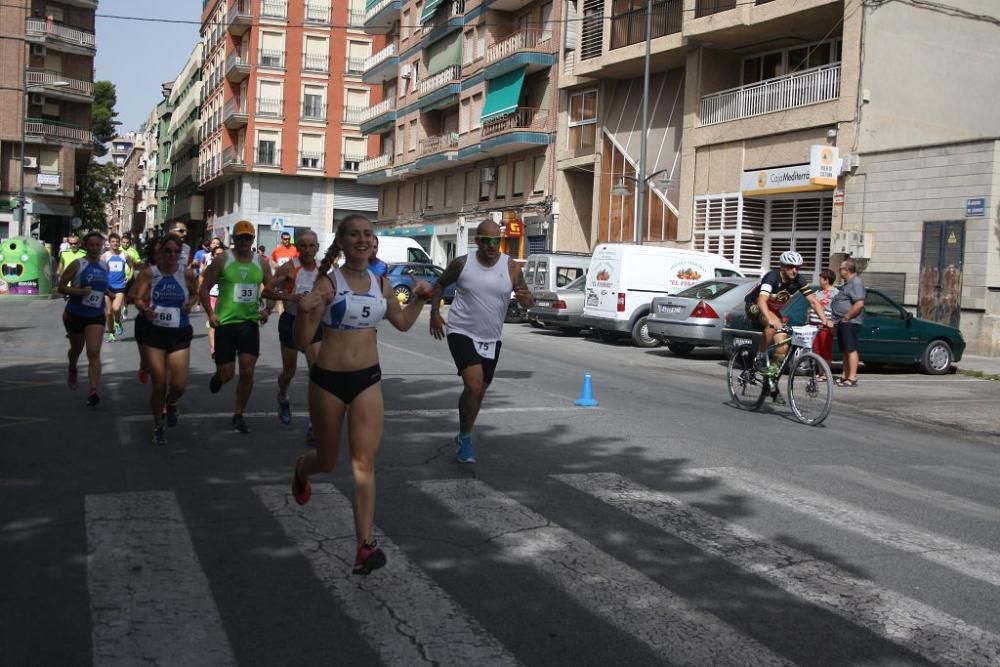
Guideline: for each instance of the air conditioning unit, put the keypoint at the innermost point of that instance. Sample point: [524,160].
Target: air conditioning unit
[405,71]
[488,175]
[38,49]
[30,162]
[37,99]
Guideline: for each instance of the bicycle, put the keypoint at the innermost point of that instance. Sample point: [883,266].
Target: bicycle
[809,399]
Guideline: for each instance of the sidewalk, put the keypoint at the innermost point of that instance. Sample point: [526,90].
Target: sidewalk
[974,364]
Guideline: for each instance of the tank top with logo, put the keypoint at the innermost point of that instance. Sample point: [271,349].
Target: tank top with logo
[303,281]
[93,275]
[351,310]
[481,300]
[239,290]
[169,293]
[117,265]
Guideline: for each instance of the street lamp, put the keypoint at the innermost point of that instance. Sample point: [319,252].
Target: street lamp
[24,121]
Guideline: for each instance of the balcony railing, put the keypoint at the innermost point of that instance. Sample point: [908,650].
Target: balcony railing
[375,163]
[630,28]
[234,106]
[708,7]
[356,18]
[274,9]
[375,9]
[450,74]
[373,112]
[57,131]
[235,60]
[527,39]
[267,156]
[317,13]
[239,15]
[309,160]
[523,118]
[810,86]
[441,142]
[269,107]
[355,65]
[44,28]
[272,58]
[41,78]
[313,111]
[353,115]
[315,62]
[380,57]
[352,163]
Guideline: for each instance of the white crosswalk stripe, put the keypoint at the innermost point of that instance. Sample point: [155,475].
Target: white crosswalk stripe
[935,635]
[403,615]
[624,597]
[966,559]
[150,601]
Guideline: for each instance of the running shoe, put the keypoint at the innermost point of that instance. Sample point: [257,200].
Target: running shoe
[119,330]
[159,436]
[214,384]
[125,313]
[143,376]
[172,414]
[465,453]
[73,378]
[301,489]
[369,558]
[109,338]
[310,436]
[240,424]
[93,399]
[284,410]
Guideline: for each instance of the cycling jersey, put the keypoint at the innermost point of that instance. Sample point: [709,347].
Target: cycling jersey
[351,310]
[779,290]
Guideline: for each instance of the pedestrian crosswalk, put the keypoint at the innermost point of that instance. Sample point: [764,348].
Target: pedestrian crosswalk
[151,601]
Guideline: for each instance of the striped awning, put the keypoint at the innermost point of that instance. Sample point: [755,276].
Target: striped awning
[503,94]
[429,10]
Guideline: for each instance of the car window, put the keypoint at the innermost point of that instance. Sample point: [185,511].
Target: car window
[417,255]
[706,290]
[567,274]
[578,285]
[877,305]
[529,272]
[434,271]
[542,274]
[727,273]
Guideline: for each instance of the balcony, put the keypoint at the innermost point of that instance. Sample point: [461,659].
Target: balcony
[799,89]
[630,27]
[438,89]
[524,128]
[234,114]
[379,117]
[237,68]
[49,131]
[351,164]
[709,7]
[220,169]
[316,62]
[353,115]
[269,107]
[313,111]
[624,55]
[741,24]
[533,49]
[382,66]
[355,66]
[355,18]
[380,16]
[239,20]
[436,152]
[309,160]
[77,90]
[376,170]
[274,9]
[317,14]
[272,59]
[60,37]
[447,19]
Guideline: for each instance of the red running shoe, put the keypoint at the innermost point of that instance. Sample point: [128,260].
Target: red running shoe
[73,378]
[369,559]
[301,489]
[143,376]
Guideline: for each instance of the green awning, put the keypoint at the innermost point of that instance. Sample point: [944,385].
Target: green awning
[502,94]
[429,10]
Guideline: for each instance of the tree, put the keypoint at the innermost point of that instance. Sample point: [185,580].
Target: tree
[103,114]
[98,192]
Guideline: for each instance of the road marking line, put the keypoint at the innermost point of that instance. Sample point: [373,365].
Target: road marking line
[937,636]
[963,474]
[400,611]
[389,414]
[150,601]
[966,559]
[621,595]
[6,422]
[938,499]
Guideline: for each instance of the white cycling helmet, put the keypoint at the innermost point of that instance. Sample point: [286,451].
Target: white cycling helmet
[790,258]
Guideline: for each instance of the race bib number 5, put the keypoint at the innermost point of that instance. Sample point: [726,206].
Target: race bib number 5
[486,350]
[167,317]
[244,293]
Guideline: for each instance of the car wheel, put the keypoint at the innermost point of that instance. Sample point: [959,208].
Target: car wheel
[607,336]
[640,334]
[937,358]
[515,313]
[402,293]
[680,349]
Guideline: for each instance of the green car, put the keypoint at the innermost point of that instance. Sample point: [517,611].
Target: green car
[890,334]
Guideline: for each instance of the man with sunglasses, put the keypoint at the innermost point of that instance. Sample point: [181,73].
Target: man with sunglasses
[241,276]
[181,230]
[69,256]
[475,322]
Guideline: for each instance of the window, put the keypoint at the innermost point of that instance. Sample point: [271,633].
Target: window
[311,153]
[539,174]
[484,184]
[464,118]
[449,190]
[400,139]
[357,54]
[405,24]
[269,102]
[429,193]
[267,149]
[582,119]
[315,57]
[48,162]
[415,202]
[546,22]
[518,179]
[413,135]
[477,110]
[313,103]
[354,151]
[567,274]
[468,46]
[480,41]
[272,50]
[501,181]
[770,65]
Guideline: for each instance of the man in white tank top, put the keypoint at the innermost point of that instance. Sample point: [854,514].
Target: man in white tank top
[475,322]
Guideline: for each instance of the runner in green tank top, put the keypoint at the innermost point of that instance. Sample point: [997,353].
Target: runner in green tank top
[241,277]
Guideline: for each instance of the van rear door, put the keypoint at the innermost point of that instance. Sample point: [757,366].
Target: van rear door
[603,281]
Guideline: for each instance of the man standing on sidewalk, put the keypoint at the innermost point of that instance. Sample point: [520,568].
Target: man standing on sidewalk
[848,306]
[241,276]
[475,322]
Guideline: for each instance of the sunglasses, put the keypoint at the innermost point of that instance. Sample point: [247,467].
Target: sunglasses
[180,231]
[489,240]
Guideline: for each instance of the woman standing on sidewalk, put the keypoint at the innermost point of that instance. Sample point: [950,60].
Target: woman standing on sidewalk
[823,342]
[346,378]
[165,292]
[85,281]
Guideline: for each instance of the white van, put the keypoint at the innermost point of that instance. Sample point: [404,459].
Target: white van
[624,278]
[401,249]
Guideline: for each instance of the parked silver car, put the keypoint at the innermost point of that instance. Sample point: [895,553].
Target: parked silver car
[561,308]
[695,317]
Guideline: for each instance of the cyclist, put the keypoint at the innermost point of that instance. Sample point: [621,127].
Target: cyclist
[765,302]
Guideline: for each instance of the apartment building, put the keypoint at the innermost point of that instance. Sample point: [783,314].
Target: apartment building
[128,214]
[148,164]
[121,146]
[164,152]
[770,123]
[281,143]
[46,69]
[186,202]
[466,123]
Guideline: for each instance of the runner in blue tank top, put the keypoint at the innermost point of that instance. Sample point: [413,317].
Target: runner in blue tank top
[85,281]
[118,263]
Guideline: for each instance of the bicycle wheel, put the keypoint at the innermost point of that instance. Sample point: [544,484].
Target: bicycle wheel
[809,399]
[747,387]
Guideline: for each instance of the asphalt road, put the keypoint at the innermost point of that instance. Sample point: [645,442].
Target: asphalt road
[663,527]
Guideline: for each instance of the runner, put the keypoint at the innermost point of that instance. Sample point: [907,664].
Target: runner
[67,257]
[130,271]
[85,281]
[376,265]
[346,378]
[180,229]
[165,293]
[285,251]
[291,281]
[118,263]
[213,294]
[241,276]
[475,322]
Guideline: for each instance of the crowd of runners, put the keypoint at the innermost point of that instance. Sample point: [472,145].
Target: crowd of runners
[329,309]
